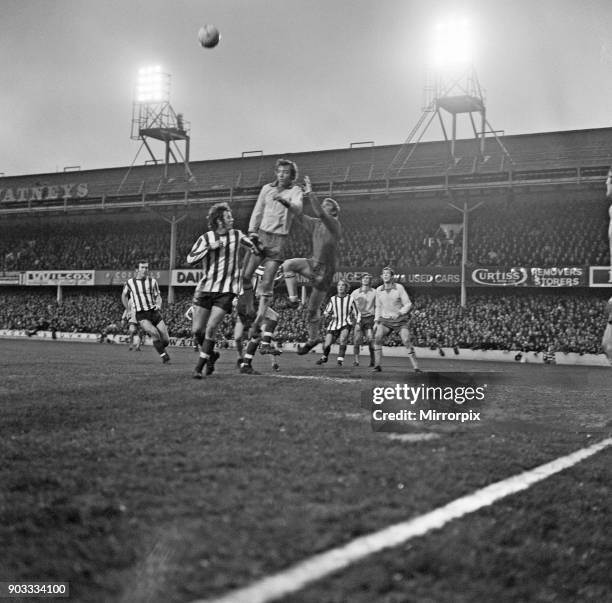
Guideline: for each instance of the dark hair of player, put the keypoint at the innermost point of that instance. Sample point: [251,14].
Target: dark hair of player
[287,162]
[215,215]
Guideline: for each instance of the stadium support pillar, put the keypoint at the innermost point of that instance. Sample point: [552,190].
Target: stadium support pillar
[174,221]
[464,252]
[465,211]
[172,264]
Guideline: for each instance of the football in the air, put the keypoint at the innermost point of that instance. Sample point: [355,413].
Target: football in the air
[208,36]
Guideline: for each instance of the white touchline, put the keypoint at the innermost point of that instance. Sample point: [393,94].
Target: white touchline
[303,573]
[317,378]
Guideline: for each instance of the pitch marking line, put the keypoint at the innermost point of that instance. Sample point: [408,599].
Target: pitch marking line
[357,380]
[319,566]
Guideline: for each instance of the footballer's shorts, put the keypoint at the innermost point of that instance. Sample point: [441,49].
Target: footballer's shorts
[337,333]
[153,316]
[274,245]
[366,323]
[207,300]
[395,324]
[322,275]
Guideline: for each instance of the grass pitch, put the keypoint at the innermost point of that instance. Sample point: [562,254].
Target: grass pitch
[134,482]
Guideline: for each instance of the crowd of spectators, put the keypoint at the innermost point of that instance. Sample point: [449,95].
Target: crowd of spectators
[519,320]
[502,232]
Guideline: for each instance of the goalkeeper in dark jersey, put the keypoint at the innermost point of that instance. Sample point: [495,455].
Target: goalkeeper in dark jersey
[319,269]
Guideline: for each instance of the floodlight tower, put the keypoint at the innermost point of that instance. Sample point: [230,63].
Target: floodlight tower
[452,89]
[154,118]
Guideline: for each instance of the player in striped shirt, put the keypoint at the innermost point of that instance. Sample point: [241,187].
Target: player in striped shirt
[142,291]
[218,250]
[365,299]
[344,313]
[391,314]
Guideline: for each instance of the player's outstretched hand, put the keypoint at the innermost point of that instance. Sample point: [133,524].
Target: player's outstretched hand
[307,185]
[257,244]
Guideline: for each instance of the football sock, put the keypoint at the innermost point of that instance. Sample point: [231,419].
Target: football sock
[326,350]
[291,284]
[412,358]
[160,347]
[201,362]
[341,352]
[208,346]
[377,355]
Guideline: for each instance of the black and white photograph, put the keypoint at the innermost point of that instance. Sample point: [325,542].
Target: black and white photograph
[306,301]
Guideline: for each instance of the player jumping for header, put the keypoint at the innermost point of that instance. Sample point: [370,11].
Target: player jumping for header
[326,232]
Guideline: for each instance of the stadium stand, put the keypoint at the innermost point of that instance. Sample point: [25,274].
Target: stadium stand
[519,320]
[544,208]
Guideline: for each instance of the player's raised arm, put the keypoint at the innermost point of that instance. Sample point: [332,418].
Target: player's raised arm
[199,250]
[314,200]
[327,210]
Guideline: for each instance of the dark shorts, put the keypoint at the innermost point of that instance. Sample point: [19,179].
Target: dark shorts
[366,323]
[153,316]
[208,300]
[274,245]
[335,333]
[322,275]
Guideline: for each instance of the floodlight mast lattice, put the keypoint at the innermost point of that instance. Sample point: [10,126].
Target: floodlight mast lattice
[453,88]
[154,118]
[453,93]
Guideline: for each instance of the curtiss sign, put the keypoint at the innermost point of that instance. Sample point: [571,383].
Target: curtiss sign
[499,277]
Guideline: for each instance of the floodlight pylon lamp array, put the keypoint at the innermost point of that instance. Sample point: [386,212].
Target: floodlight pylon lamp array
[451,44]
[153,85]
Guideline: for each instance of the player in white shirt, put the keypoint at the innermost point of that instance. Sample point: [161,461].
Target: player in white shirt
[365,299]
[277,205]
[392,308]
